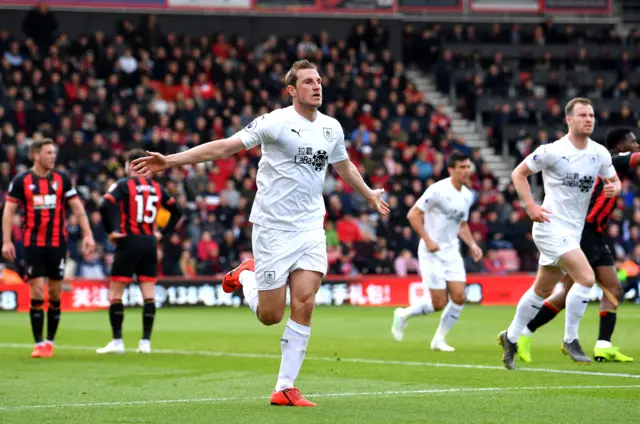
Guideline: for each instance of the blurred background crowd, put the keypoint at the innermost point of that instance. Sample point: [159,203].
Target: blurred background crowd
[101,94]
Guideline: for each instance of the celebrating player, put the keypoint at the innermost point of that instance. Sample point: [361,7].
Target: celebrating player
[439,216]
[288,212]
[621,142]
[569,168]
[43,193]
[129,212]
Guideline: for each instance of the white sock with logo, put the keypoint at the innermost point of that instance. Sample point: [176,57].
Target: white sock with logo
[577,301]
[423,307]
[449,316]
[528,307]
[294,346]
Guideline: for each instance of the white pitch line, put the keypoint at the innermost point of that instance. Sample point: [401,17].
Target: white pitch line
[350,360]
[317,395]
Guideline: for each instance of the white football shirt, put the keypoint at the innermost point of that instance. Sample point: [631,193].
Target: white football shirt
[291,172]
[569,175]
[445,208]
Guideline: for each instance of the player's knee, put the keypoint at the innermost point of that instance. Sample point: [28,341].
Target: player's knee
[587,278]
[54,293]
[616,291]
[458,298]
[439,303]
[270,317]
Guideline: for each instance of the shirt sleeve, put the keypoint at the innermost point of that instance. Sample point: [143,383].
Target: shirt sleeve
[16,190]
[339,152]
[115,192]
[606,165]
[166,199]
[429,199]
[261,130]
[622,162]
[539,159]
[67,186]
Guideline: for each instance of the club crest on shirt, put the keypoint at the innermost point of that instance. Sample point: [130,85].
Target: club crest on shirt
[593,160]
[54,185]
[328,133]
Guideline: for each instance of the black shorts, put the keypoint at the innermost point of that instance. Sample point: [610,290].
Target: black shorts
[135,255]
[46,262]
[595,248]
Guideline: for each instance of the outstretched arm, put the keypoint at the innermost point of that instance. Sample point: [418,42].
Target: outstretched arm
[206,152]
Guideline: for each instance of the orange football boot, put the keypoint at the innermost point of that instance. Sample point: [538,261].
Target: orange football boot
[47,350]
[39,351]
[289,397]
[231,281]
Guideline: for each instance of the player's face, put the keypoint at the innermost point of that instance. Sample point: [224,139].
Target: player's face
[46,158]
[462,171]
[582,120]
[631,145]
[308,90]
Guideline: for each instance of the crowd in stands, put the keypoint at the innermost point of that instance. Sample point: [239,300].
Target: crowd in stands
[102,94]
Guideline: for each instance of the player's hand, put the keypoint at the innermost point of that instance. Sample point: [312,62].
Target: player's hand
[476,253]
[609,188]
[537,213]
[8,251]
[88,244]
[377,202]
[158,235]
[432,246]
[115,236]
[151,164]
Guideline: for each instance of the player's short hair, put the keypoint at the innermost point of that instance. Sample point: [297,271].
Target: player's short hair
[292,76]
[37,145]
[456,157]
[135,154]
[568,109]
[616,136]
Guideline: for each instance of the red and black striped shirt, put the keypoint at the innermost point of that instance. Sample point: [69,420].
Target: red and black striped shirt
[44,202]
[138,200]
[600,206]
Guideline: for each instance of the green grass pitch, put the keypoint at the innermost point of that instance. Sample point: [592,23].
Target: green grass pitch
[220,365]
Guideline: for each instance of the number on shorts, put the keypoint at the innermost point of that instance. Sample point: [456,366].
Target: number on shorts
[146,213]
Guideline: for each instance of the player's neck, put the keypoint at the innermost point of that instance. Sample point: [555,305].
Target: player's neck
[457,184]
[579,142]
[309,113]
[40,171]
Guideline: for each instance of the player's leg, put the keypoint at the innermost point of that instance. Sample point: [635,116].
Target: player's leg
[55,272]
[147,272]
[575,263]
[124,264]
[608,280]
[36,273]
[304,281]
[304,285]
[528,306]
[434,298]
[449,315]
[116,318]
[549,310]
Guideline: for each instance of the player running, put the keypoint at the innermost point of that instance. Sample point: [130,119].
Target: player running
[439,216]
[288,237]
[569,168]
[621,142]
[43,193]
[129,212]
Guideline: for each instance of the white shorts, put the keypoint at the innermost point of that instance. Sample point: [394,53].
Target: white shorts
[278,253]
[439,267]
[553,246]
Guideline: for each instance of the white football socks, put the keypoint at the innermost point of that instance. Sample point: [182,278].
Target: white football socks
[422,307]
[294,346]
[449,316]
[250,289]
[528,307]
[577,301]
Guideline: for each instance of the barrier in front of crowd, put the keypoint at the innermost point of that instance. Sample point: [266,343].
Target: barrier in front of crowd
[379,290]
